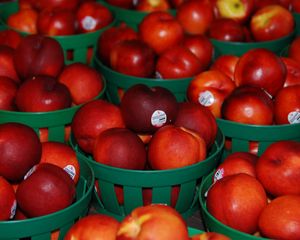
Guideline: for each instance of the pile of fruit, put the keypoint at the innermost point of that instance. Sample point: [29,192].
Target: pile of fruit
[149,130]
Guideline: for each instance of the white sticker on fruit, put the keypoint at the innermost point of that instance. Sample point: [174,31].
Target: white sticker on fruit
[294,117]
[158,118]
[70,169]
[31,170]
[206,98]
[13,210]
[219,174]
[89,23]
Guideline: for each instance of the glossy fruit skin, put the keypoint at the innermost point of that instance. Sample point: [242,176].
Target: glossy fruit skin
[294,49]
[37,200]
[210,236]
[10,38]
[93,118]
[56,22]
[278,168]
[8,91]
[225,64]
[161,31]
[150,6]
[248,105]
[94,227]
[262,68]
[175,147]
[84,82]
[56,4]
[24,20]
[287,105]
[121,148]
[38,55]
[284,214]
[20,146]
[210,88]
[8,203]
[146,109]
[293,71]
[155,221]
[199,119]
[234,197]
[279,22]
[42,94]
[195,16]
[134,58]
[178,62]
[111,37]
[92,16]
[226,29]
[8,68]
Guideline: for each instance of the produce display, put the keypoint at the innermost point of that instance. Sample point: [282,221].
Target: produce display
[121,119]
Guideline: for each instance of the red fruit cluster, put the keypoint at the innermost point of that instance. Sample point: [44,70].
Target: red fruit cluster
[36,178]
[34,77]
[262,190]
[60,18]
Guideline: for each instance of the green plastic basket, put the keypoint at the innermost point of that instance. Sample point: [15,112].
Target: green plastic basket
[212,224]
[54,121]
[161,182]
[241,134]
[297,20]
[117,81]
[131,17]
[194,231]
[40,228]
[239,48]
[76,47]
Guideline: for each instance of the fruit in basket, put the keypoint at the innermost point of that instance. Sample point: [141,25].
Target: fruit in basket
[236,197]
[8,201]
[226,29]
[293,71]
[278,168]
[38,55]
[42,94]
[111,37]
[7,63]
[175,147]
[209,236]
[155,221]
[202,47]
[58,4]
[160,30]
[287,105]
[24,20]
[280,219]
[46,190]
[121,148]
[234,163]
[20,146]
[195,16]
[91,119]
[133,57]
[178,62]
[225,64]
[96,226]
[238,10]
[84,82]
[150,6]
[209,89]
[248,105]
[92,16]
[10,38]
[62,155]
[56,22]
[8,91]
[262,68]
[146,109]
[199,119]
[295,6]
[271,22]
[294,49]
